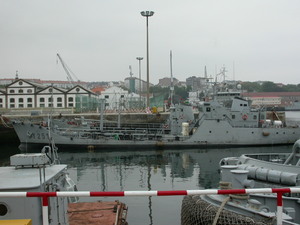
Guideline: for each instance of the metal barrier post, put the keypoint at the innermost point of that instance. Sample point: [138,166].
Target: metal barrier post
[45,204]
[279,208]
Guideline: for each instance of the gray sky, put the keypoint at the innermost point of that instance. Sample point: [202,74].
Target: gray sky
[99,39]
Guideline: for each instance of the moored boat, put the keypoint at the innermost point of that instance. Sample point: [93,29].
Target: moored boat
[220,123]
[270,170]
[41,173]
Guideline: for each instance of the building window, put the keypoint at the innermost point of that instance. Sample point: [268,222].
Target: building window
[21,91]
[59,99]
[50,99]
[42,99]
[29,105]
[70,99]
[50,90]
[70,104]
[29,91]
[11,91]
[233,117]
[122,96]
[12,100]
[21,105]
[1,106]
[12,106]
[77,89]
[106,96]
[59,105]
[1,100]
[29,99]
[21,100]
[42,105]
[20,83]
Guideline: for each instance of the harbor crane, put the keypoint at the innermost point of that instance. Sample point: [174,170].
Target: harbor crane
[68,71]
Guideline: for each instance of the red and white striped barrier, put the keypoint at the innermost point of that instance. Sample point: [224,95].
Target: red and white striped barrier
[46,195]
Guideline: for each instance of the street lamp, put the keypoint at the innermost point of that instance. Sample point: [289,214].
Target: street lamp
[147,14]
[140,81]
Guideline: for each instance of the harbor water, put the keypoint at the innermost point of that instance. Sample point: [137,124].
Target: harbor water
[185,169]
[119,170]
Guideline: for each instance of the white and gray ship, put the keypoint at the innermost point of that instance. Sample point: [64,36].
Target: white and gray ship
[221,123]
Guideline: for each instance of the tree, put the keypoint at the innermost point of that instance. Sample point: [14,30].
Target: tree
[251,86]
[181,92]
[270,87]
[291,87]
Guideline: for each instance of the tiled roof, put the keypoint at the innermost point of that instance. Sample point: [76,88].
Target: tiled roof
[270,94]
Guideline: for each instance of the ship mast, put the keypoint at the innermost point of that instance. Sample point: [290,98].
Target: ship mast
[172,83]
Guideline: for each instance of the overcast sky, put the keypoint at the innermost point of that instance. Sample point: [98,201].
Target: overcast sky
[99,39]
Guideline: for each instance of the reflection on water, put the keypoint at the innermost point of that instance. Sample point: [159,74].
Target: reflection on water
[185,169]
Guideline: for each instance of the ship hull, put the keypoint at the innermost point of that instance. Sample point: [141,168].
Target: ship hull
[207,135]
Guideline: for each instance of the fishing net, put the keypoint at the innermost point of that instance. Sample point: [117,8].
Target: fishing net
[196,211]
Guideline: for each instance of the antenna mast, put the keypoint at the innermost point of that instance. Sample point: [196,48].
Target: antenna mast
[172,83]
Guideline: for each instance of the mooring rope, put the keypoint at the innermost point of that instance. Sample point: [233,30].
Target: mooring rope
[4,123]
[220,210]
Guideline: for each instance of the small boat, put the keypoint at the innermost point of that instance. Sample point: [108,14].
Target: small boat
[42,172]
[270,170]
[221,123]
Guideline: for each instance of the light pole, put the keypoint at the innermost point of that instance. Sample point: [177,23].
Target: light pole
[147,14]
[140,81]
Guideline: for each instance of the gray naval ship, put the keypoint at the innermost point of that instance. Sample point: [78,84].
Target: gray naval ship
[222,122]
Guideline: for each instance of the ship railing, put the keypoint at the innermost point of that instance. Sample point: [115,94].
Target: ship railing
[228,120]
[46,195]
[111,130]
[115,133]
[124,128]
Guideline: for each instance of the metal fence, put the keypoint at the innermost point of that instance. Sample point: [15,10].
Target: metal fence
[46,195]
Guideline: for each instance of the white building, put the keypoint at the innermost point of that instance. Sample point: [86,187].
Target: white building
[2,99]
[272,101]
[116,97]
[25,94]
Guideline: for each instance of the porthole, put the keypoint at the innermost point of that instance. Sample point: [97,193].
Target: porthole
[20,83]
[3,209]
